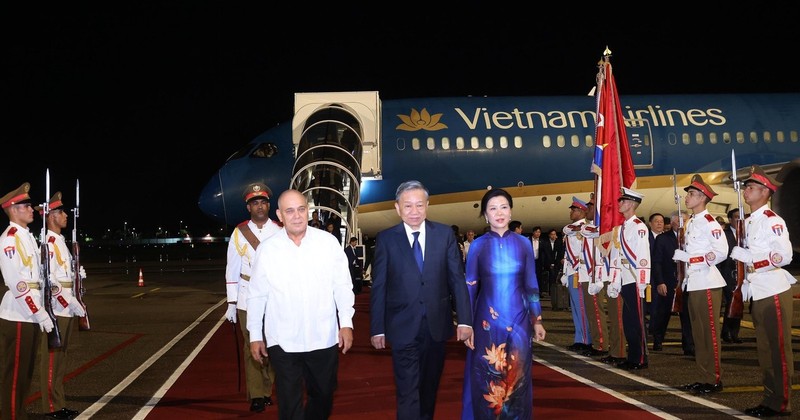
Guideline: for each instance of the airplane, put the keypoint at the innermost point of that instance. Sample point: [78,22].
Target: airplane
[348,152]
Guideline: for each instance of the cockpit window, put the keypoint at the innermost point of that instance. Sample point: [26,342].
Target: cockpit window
[261,150]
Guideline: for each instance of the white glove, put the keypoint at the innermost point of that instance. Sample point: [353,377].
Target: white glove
[746,295]
[230,315]
[82,273]
[595,287]
[680,255]
[45,323]
[613,290]
[590,231]
[642,289]
[76,307]
[564,280]
[740,254]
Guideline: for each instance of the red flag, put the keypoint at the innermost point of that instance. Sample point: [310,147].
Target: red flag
[612,163]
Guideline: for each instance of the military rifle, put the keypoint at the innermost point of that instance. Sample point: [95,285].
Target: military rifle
[736,305]
[83,322]
[680,268]
[54,336]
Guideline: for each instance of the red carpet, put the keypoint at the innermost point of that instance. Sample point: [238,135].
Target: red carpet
[208,388]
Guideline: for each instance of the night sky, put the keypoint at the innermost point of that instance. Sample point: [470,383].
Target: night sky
[143,103]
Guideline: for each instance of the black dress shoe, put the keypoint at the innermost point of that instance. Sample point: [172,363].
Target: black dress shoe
[691,387]
[688,352]
[709,388]
[611,360]
[626,365]
[727,338]
[268,401]
[657,347]
[257,405]
[764,411]
[64,413]
[736,340]
[594,352]
[578,347]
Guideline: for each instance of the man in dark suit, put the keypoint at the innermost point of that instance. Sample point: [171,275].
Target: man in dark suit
[411,300]
[356,271]
[551,255]
[730,326]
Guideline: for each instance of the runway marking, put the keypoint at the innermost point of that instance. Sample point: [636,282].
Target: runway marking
[144,293]
[114,392]
[644,381]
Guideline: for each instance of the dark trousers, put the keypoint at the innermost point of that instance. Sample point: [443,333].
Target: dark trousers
[633,323]
[417,370]
[730,326]
[18,345]
[687,339]
[316,370]
[660,314]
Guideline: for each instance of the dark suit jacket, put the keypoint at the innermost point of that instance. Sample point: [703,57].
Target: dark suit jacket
[550,256]
[665,270]
[727,267]
[400,294]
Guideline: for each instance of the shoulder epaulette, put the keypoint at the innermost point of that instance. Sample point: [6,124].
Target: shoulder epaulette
[51,239]
[770,213]
[710,218]
[12,231]
[637,220]
[243,223]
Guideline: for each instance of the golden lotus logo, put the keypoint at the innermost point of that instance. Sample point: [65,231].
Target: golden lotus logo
[420,121]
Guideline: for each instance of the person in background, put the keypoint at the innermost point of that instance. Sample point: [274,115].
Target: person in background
[356,271]
[552,258]
[576,267]
[241,251]
[315,222]
[457,232]
[705,248]
[302,290]
[730,326]
[768,250]
[515,226]
[664,280]
[504,291]
[53,362]
[656,226]
[22,315]
[630,255]
[417,279]
[468,238]
[536,245]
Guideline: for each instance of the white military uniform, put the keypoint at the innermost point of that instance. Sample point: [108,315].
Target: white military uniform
[767,240]
[630,255]
[578,260]
[62,275]
[240,260]
[20,267]
[707,247]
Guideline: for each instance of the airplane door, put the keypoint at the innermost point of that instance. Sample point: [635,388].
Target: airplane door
[640,142]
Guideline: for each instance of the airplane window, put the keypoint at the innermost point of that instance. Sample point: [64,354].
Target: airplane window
[779,136]
[699,138]
[767,137]
[475,143]
[431,143]
[518,142]
[459,143]
[753,137]
[712,138]
[546,142]
[445,143]
[265,150]
[415,144]
[575,141]
[793,135]
[740,137]
[560,141]
[726,137]
[685,139]
[503,142]
[489,143]
[589,141]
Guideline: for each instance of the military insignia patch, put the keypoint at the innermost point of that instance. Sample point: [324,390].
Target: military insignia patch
[716,233]
[642,263]
[777,229]
[22,287]
[642,233]
[711,257]
[776,259]
[10,251]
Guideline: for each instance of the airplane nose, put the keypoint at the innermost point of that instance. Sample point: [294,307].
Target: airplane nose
[211,201]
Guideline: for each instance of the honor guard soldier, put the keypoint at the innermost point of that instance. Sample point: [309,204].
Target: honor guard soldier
[706,247]
[630,256]
[577,269]
[592,299]
[241,251]
[67,308]
[22,314]
[767,250]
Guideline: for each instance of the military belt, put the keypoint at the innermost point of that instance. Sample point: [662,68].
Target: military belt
[244,277]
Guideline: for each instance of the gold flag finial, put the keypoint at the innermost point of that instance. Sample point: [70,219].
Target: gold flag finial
[607,52]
